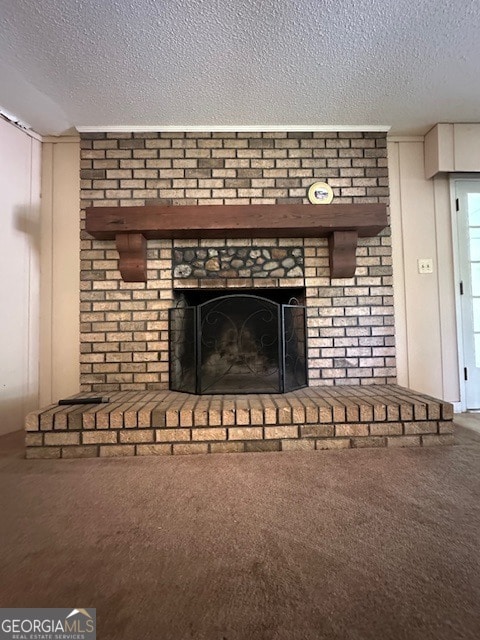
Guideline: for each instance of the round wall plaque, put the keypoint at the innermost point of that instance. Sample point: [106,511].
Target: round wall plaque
[320,193]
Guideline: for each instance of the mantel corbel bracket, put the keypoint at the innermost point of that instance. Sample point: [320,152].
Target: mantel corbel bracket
[342,247]
[132,251]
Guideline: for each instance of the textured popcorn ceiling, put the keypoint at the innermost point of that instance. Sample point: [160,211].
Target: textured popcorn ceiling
[257,63]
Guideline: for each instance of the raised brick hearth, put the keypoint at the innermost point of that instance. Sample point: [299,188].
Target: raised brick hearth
[162,423]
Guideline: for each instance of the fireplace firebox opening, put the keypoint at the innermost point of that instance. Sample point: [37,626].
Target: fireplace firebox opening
[248,341]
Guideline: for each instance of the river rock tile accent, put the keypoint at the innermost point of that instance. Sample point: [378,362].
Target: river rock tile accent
[238,262]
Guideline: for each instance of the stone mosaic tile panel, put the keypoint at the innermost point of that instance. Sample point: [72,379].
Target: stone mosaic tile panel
[238,262]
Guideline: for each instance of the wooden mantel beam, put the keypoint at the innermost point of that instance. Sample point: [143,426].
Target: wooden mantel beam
[341,223]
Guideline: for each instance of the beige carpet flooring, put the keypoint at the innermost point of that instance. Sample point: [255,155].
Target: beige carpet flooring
[357,544]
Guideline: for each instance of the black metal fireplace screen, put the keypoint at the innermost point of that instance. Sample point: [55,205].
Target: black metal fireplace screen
[238,344]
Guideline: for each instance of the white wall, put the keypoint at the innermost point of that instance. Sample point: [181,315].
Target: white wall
[60,267]
[20,158]
[427,356]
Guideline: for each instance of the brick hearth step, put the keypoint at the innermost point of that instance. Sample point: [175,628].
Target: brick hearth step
[168,422]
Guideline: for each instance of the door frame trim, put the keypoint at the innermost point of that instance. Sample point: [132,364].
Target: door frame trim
[454,178]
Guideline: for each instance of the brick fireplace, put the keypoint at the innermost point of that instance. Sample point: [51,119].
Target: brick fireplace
[125,324]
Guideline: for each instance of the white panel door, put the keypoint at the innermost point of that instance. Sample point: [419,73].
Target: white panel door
[468,225]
